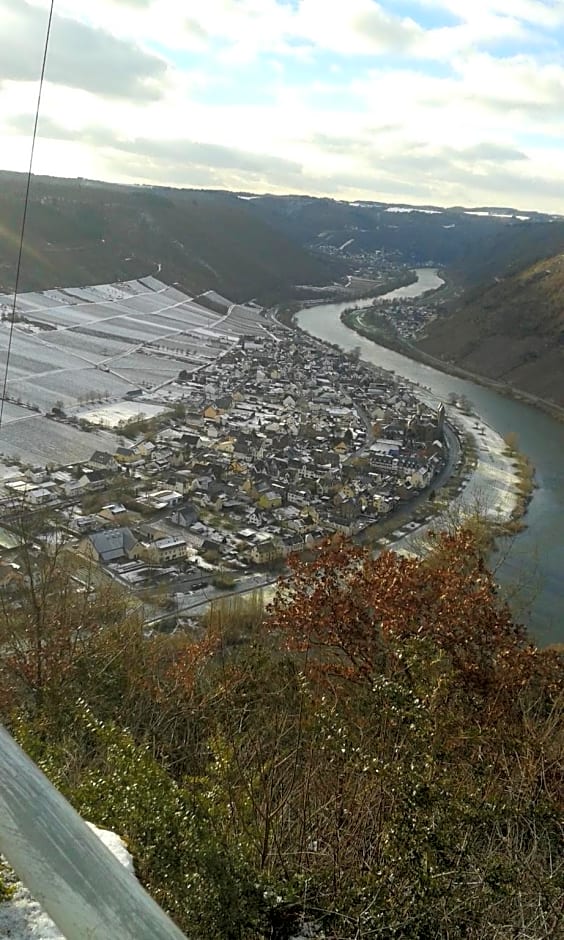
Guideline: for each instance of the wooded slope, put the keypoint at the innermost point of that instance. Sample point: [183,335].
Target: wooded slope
[82,232]
[511,331]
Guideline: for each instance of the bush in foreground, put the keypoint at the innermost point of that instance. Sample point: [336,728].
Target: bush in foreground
[382,756]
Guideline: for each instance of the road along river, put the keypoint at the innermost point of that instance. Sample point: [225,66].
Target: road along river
[531,565]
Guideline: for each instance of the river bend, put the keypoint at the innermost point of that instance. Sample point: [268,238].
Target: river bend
[532,566]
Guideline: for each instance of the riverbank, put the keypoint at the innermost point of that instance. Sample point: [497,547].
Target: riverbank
[485,484]
[286,312]
[526,484]
[489,483]
[353,320]
[486,493]
[384,333]
[533,558]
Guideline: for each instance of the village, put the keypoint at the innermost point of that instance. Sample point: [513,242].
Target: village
[407,318]
[274,446]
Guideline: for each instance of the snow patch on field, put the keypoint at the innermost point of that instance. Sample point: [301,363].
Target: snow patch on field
[110,416]
[21,918]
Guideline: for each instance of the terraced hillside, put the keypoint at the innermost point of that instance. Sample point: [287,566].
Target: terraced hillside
[511,331]
[85,357]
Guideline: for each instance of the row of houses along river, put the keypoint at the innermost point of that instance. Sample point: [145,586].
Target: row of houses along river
[531,566]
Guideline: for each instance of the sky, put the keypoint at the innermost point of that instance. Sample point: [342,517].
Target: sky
[443,102]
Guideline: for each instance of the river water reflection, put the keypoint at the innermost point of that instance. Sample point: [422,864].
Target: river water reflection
[533,564]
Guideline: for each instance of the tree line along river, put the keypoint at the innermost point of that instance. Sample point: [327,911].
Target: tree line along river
[530,565]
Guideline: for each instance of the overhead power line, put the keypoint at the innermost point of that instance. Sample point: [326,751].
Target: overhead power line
[25,208]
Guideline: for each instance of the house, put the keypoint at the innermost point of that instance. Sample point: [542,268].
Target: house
[269,500]
[211,413]
[338,525]
[298,498]
[309,519]
[225,447]
[421,477]
[341,448]
[266,552]
[100,459]
[39,495]
[190,440]
[182,480]
[193,419]
[126,454]
[162,499]
[96,478]
[194,536]
[254,518]
[89,523]
[346,510]
[38,475]
[224,402]
[109,545]
[294,543]
[242,446]
[218,489]
[236,507]
[162,550]
[114,512]
[185,516]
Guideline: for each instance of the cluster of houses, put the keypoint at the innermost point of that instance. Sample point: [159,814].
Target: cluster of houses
[408,317]
[275,446]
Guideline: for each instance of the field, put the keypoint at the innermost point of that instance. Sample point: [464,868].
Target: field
[94,345]
[110,416]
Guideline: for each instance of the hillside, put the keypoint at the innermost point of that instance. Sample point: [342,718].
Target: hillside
[506,252]
[81,232]
[511,331]
[476,243]
[507,327]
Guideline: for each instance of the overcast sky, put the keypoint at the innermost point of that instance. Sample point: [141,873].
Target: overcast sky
[423,101]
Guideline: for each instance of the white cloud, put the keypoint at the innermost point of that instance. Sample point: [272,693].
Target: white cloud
[80,55]
[519,83]
[535,12]
[164,91]
[355,27]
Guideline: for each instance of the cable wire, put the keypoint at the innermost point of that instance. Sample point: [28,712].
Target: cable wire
[24,214]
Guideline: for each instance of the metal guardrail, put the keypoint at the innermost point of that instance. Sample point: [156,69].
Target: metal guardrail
[68,870]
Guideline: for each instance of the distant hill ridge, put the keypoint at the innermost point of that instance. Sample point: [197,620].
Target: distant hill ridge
[474,242]
[508,324]
[83,232]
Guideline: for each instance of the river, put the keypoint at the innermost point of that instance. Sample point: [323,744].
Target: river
[531,565]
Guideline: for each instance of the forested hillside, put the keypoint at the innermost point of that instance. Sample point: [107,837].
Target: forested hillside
[378,755]
[504,253]
[511,330]
[81,232]
[474,244]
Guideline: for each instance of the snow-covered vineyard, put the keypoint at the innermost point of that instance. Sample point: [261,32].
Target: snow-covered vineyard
[100,346]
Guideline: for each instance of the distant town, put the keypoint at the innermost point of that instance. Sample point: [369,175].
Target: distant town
[264,442]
